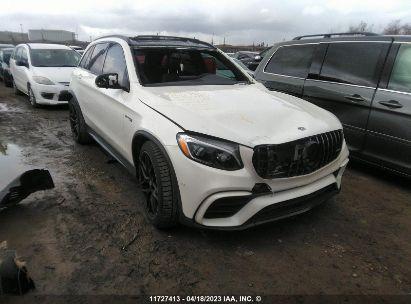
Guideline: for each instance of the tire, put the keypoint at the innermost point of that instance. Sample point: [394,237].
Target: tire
[155,176]
[16,90]
[32,97]
[8,83]
[77,124]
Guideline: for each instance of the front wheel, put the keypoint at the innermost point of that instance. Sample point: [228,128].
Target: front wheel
[32,98]
[156,181]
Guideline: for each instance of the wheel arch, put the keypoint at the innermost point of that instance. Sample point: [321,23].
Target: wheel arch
[139,138]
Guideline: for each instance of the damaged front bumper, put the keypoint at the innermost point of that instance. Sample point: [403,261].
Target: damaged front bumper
[240,205]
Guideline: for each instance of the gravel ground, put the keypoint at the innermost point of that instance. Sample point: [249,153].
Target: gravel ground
[78,237]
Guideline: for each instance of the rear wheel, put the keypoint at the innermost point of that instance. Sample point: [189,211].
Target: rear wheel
[157,184]
[16,90]
[77,124]
[7,82]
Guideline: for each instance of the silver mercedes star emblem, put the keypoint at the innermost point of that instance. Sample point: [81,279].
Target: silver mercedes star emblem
[301,128]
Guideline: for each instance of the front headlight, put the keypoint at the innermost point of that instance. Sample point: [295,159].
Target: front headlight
[211,152]
[42,80]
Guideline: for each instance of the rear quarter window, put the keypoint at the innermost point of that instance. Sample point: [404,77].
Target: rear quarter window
[294,60]
[400,79]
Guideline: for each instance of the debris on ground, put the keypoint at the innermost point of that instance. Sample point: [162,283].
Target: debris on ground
[23,185]
[14,277]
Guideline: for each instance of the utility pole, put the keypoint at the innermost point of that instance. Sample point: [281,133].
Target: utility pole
[21,28]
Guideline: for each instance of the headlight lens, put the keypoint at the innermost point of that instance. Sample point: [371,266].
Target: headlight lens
[42,80]
[210,152]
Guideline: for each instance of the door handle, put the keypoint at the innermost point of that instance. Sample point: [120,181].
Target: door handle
[355,98]
[391,104]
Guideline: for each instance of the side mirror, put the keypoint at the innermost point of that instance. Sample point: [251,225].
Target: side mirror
[108,81]
[22,63]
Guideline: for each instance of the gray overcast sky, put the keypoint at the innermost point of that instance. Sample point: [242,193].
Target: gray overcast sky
[239,21]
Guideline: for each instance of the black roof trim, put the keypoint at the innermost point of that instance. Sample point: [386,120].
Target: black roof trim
[155,40]
[330,35]
[141,39]
[115,36]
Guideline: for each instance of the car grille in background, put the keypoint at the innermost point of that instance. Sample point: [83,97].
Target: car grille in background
[65,83]
[299,157]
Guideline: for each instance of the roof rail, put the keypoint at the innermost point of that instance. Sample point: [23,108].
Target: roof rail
[114,36]
[330,35]
[159,37]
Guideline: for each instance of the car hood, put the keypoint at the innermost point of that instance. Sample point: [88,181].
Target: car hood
[55,74]
[247,114]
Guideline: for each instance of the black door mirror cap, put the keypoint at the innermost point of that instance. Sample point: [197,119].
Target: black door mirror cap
[22,63]
[108,81]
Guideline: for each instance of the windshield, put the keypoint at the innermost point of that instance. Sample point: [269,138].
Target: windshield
[54,58]
[174,66]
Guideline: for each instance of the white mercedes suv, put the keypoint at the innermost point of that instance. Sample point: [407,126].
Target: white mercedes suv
[42,71]
[210,146]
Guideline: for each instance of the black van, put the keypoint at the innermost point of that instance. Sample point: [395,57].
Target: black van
[363,78]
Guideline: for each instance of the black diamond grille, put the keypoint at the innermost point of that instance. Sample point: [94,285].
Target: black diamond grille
[299,157]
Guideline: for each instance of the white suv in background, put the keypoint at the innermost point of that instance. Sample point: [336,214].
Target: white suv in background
[42,71]
[210,146]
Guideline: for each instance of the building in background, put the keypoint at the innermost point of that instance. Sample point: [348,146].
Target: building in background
[45,36]
[13,37]
[57,36]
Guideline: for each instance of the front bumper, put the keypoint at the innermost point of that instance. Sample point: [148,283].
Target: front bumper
[200,186]
[48,94]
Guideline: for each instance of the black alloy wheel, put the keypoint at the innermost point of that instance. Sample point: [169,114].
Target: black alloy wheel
[159,186]
[148,183]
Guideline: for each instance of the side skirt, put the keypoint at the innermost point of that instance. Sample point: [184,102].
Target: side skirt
[112,152]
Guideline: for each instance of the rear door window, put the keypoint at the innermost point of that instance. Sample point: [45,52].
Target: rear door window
[97,58]
[292,60]
[400,79]
[357,63]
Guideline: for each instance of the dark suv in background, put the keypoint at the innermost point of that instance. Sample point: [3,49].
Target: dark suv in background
[363,78]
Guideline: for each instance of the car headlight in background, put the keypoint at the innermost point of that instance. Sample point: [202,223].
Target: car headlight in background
[211,152]
[42,80]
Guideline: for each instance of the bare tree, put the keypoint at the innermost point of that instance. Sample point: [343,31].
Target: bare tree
[361,27]
[395,27]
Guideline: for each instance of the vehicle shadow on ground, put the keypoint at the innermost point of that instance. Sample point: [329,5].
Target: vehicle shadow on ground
[380,174]
[288,228]
[52,108]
